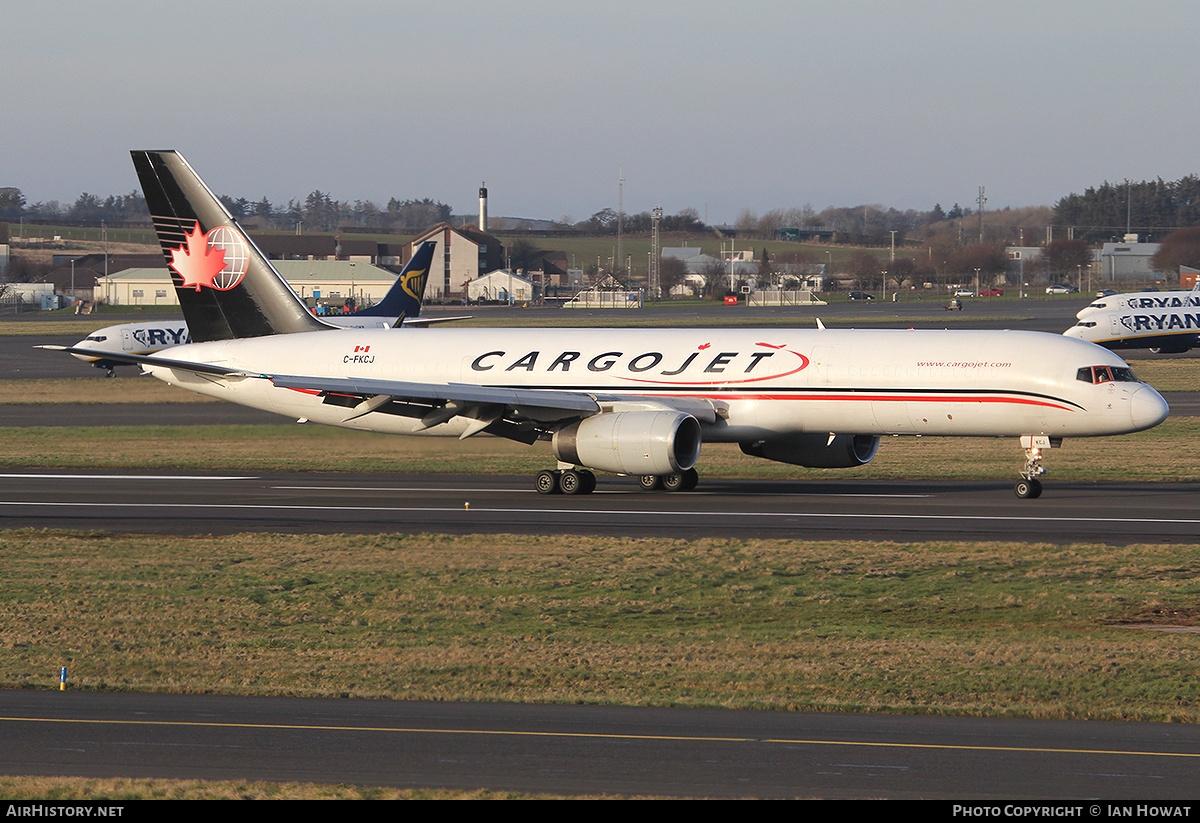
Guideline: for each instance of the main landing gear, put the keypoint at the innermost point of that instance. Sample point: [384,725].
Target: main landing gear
[1029,487]
[582,481]
[684,481]
[565,481]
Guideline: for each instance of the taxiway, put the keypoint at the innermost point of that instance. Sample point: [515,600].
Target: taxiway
[220,503]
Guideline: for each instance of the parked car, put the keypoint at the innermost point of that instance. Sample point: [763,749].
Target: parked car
[1106,292]
[861,295]
[1061,288]
[992,293]
[964,293]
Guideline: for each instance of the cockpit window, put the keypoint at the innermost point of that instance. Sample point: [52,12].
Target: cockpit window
[1106,374]
[98,338]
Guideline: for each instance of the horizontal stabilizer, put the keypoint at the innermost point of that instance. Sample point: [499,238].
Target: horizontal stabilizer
[151,360]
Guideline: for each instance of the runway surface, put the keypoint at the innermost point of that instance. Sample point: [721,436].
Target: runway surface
[187,503]
[592,749]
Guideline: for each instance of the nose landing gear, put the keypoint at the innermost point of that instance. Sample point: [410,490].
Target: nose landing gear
[1029,487]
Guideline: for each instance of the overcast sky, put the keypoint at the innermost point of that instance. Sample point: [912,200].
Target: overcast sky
[718,107]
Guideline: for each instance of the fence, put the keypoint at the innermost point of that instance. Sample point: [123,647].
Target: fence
[775,297]
[593,299]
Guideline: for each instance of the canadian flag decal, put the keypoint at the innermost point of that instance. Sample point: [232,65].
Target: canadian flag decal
[362,348]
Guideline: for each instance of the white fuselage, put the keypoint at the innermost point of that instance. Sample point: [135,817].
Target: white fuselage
[134,338]
[154,336]
[1148,300]
[1140,328]
[762,382]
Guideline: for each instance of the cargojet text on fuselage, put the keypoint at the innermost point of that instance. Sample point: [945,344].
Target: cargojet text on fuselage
[636,402]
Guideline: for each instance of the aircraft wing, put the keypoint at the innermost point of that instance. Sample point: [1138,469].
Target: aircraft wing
[421,322]
[434,403]
[545,404]
[512,412]
[152,360]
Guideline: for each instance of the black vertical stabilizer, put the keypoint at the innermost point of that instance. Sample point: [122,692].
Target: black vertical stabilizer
[404,297]
[226,287]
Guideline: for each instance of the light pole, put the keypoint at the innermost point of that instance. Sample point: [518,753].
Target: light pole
[655,254]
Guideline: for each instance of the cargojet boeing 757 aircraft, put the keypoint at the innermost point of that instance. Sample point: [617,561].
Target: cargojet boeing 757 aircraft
[631,401]
[401,306]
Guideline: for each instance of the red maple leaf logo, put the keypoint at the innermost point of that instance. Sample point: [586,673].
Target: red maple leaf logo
[197,264]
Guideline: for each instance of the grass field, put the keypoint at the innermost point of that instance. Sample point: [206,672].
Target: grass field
[1166,453]
[951,628]
[121,789]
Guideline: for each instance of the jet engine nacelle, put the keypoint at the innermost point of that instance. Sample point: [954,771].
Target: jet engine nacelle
[817,451]
[635,442]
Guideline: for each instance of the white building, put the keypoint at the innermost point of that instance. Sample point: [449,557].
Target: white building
[332,281]
[1128,260]
[501,285]
[462,255]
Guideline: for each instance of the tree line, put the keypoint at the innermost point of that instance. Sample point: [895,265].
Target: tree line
[1148,207]
[318,211]
[86,208]
[1153,208]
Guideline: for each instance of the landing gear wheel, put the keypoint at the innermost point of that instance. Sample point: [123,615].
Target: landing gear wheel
[589,482]
[690,478]
[571,482]
[1028,489]
[650,482]
[685,481]
[547,482]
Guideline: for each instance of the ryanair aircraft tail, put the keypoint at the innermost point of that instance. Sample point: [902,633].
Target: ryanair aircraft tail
[226,286]
[403,300]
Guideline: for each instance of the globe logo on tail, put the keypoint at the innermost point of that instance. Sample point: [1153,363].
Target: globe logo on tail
[218,259]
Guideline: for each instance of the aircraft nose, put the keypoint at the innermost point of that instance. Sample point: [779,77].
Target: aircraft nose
[1148,408]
